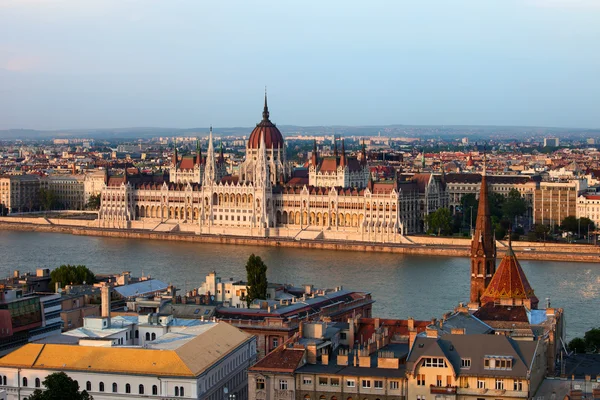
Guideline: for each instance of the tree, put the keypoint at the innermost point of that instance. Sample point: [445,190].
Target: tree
[72,275]
[48,200]
[59,386]
[256,272]
[592,340]
[514,205]
[440,221]
[93,202]
[569,224]
[577,345]
[586,225]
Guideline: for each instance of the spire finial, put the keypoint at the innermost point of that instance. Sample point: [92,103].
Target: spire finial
[484,160]
[266,109]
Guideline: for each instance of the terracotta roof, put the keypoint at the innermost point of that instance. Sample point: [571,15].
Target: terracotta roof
[421,180]
[509,282]
[282,360]
[491,312]
[187,163]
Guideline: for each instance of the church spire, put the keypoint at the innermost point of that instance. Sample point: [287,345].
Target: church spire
[363,159]
[198,152]
[266,109]
[210,172]
[483,245]
[314,156]
[343,157]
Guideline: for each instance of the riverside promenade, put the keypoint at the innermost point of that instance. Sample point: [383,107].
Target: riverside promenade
[412,245]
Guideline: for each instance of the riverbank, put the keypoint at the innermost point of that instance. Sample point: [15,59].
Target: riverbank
[421,245]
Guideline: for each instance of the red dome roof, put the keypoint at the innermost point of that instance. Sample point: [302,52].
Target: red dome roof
[272,137]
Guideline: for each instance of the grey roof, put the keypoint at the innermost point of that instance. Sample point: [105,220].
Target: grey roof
[461,320]
[189,310]
[475,347]
[141,288]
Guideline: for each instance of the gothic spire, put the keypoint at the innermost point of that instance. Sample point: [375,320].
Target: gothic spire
[363,151]
[198,152]
[314,157]
[343,157]
[266,109]
[210,168]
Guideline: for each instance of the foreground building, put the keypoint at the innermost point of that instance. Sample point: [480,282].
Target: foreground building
[337,200]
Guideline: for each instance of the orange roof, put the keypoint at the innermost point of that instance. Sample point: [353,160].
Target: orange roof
[509,282]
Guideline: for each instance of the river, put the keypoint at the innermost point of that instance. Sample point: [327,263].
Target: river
[402,286]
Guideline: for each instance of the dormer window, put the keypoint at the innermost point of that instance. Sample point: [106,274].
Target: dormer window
[434,362]
[497,362]
[465,363]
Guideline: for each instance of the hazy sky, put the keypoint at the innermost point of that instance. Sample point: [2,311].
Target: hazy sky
[191,63]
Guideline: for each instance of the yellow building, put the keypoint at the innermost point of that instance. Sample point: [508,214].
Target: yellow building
[474,367]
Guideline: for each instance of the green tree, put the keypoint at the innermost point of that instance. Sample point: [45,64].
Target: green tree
[577,345]
[72,275]
[440,221]
[256,272]
[514,205]
[592,340]
[569,224]
[48,200]
[59,386]
[586,225]
[93,202]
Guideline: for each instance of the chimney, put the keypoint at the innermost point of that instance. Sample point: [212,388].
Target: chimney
[105,291]
[301,329]
[431,333]
[411,323]
[57,287]
[16,273]
[311,351]
[376,323]
[412,335]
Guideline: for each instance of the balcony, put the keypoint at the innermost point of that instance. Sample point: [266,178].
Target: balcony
[442,389]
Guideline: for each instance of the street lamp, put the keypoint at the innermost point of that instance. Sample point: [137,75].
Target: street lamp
[227,395]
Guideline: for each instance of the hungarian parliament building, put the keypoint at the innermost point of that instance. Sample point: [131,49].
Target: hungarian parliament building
[337,199]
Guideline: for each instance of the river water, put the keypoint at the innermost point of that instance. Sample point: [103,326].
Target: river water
[402,286]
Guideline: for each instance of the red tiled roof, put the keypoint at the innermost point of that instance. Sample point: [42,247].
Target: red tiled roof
[509,282]
[187,163]
[421,180]
[282,360]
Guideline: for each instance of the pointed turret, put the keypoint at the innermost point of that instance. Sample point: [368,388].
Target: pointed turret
[509,284]
[483,244]
[221,156]
[335,152]
[266,108]
[343,157]
[314,156]
[198,153]
[174,157]
[363,152]
[210,168]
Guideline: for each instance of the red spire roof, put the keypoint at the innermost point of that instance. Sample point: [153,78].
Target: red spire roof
[510,282]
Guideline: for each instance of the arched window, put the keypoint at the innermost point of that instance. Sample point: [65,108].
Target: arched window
[154,390]
[153,336]
[24,382]
[101,387]
[88,386]
[115,387]
[127,388]
[147,335]
[141,389]
[37,382]
[4,380]
[181,391]
[137,334]
[176,390]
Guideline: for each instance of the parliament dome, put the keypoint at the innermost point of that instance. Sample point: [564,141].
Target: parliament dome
[272,136]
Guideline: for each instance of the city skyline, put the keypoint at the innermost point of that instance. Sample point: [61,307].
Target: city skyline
[117,64]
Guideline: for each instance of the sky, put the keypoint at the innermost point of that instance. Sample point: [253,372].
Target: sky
[67,64]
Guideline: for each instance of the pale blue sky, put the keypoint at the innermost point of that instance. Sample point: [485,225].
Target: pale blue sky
[191,63]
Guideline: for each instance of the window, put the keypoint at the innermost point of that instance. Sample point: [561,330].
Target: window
[343,335]
[335,381]
[101,387]
[147,335]
[115,387]
[137,334]
[154,390]
[394,385]
[518,385]
[420,397]
[260,384]
[499,384]
[127,388]
[283,384]
[480,384]
[465,363]
[307,380]
[37,382]
[176,390]
[366,383]
[434,362]
[438,381]
[322,381]
[350,383]
[420,379]
[181,392]
[153,336]
[275,342]
[88,386]
[141,389]
[378,384]
[24,382]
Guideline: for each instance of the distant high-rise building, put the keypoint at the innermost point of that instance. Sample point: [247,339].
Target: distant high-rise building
[551,142]
[591,141]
